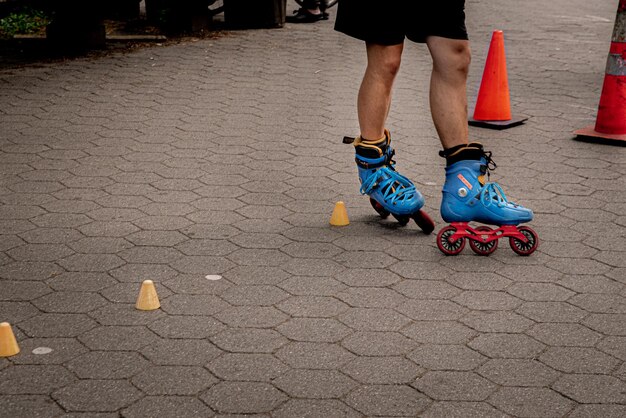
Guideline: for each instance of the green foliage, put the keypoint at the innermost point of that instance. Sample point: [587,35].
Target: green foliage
[23,22]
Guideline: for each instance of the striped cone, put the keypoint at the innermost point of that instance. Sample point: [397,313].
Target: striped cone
[611,120]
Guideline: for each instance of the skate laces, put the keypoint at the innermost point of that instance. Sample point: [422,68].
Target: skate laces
[492,192]
[395,187]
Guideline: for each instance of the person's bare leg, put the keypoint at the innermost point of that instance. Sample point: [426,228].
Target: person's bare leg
[374,100]
[448,91]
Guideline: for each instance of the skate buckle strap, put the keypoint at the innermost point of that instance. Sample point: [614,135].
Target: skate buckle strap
[395,187]
[385,160]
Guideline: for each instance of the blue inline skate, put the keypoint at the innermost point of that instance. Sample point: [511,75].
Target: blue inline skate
[468,197]
[390,192]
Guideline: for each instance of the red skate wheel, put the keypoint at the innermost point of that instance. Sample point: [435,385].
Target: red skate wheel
[525,248]
[480,247]
[424,221]
[384,213]
[445,245]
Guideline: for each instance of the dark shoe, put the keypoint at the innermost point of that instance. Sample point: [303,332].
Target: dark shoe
[304,16]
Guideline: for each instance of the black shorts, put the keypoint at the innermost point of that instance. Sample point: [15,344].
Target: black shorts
[388,22]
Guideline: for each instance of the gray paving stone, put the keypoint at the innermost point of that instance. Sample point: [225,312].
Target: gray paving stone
[108,229]
[446,357]
[193,305]
[314,330]
[531,402]
[591,388]
[502,321]
[378,343]
[28,405]
[179,406]
[256,275]
[608,411]
[540,292]
[323,268]
[124,314]
[314,355]
[310,408]
[14,312]
[262,295]
[600,303]
[97,395]
[247,367]
[462,410]
[107,365]
[39,252]
[525,273]
[48,236]
[69,302]
[249,340]
[394,400]
[455,386]
[201,265]
[615,346]
[118,338]
[487,300]
[432,310]
[251,316]
[439,332]
[174,380]
[196,284]
[184,352]
[595,284]
[611,324]
[179,326]
[315,384]
[63,349]
[311,286]
[373,319]
[312,306]
[507,346]
[34,379]
[91,262]
[551,312]
[23,290]
[100,245]
[51,325]
[578,360]
[562,334]
[518,372]
[382,370]
[243,397]
[156,238]
[81,282]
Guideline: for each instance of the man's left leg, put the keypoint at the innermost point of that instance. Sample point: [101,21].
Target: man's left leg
[448,92]
[466,194]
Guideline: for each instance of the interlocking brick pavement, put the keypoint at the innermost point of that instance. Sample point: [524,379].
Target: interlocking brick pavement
[223,157]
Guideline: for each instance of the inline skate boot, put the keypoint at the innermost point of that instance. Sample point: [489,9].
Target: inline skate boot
[390,192]
[467,196]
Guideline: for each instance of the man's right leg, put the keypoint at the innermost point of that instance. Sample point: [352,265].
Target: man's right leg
[374,100]
[389,191]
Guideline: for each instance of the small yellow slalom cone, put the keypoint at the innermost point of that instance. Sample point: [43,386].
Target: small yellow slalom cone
[8,343]
[148,300]
[340,215]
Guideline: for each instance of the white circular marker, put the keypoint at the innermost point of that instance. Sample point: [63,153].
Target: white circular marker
[42,350]
[213,277]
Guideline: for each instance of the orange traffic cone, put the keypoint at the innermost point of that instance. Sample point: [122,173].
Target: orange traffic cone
[340,215]
[8,343]
[611,119]
[148,300]
[493,105]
